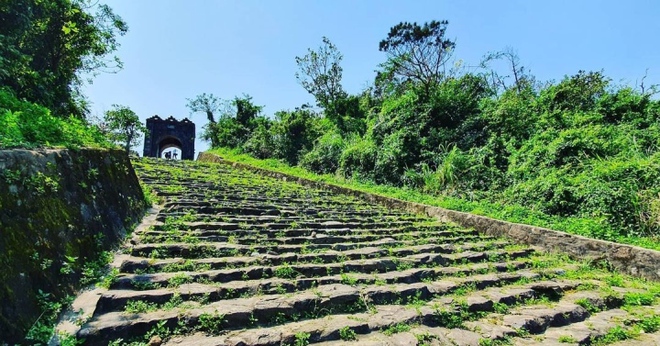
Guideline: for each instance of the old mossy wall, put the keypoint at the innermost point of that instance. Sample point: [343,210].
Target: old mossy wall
[58,210]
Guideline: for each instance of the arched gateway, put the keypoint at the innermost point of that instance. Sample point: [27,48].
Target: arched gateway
[169,133]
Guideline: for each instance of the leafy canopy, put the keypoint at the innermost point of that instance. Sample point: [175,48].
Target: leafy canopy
[124,126]
[417,53]
[49,48]
[320,74]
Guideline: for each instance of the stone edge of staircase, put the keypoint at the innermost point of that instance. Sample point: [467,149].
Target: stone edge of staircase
[629,259]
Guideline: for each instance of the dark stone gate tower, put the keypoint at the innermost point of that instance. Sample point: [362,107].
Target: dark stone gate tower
[169,133]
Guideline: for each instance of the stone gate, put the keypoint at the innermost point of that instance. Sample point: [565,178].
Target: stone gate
[169,133]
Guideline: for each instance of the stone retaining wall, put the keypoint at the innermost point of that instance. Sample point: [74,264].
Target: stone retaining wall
[628,259]
[58,210]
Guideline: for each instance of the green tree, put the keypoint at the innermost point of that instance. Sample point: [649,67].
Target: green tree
[124,126]
[417,53]
[294,133]
[49,48]
[208,104]
[320,74]
[205,103]
[246,111]
[230,122]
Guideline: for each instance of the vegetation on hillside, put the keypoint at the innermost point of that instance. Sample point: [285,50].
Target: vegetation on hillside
[580,148]
[48,49]
[25,124]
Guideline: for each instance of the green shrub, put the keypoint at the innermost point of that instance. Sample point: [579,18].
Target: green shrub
[579,155]
[28,125]
[358,158]
[324,157]
[260,142]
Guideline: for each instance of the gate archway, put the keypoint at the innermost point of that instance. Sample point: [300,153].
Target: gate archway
[169,133]
[167,143]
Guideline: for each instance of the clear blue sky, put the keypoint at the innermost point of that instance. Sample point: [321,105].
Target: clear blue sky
[177,49]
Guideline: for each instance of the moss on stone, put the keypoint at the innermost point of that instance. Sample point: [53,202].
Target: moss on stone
[55,217]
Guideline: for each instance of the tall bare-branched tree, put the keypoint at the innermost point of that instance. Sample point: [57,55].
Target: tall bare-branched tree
[521,75]
[209,105]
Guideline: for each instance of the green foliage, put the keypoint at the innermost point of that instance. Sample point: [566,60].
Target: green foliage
[347,334]
[650,324]
[579,155]
[139,306]
[211,323]
[285,271]
[124,126]
[301,339]
[261,142]
[27,125]
[294,134]
[567,339]
[632,298]
[48,48]
[397,328]
[325,155]
[587,304]
[613,335]
[320,74]
[418,53]
[42,330]
[97,270]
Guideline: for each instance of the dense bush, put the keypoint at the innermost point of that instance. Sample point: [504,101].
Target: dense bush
[324,156]
[28,125]
[580,148]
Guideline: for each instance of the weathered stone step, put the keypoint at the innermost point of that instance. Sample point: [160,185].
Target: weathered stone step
[290,216]
[311,270]
[596,326]
[235,230]
[116,299]
[226,249]
[267,260]
[133,264]
[318,212]
[412,335]
[279,203]
[379,318]
[318,240]
[247,208]
[304,224]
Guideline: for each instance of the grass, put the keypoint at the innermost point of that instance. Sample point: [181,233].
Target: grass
[588,227]
[347,334]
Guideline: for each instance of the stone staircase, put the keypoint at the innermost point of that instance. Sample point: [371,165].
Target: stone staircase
[235,258]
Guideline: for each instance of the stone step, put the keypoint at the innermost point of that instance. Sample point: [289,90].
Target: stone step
[325,226]
[311,270]
[316,241]
[290,216]
[236,258]
[596,327]
[196,249]
[310,304]
[131,264]
[241,230]
[366,327]
[116,299]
